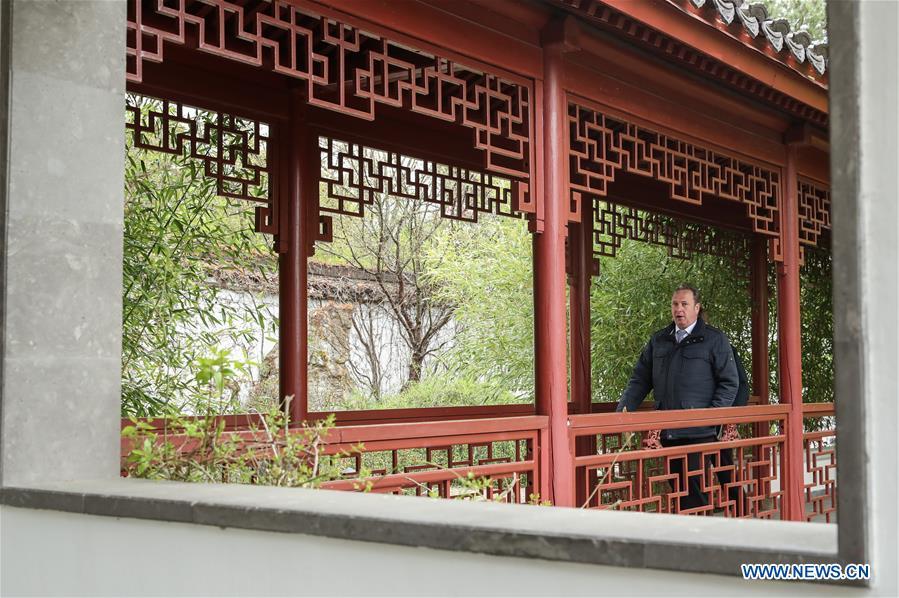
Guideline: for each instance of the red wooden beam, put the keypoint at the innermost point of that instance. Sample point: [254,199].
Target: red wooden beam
[611,422]
[444,30]
[817,409]
[422,414]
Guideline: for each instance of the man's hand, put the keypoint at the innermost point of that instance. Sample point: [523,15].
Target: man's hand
[730,433]
[651,440]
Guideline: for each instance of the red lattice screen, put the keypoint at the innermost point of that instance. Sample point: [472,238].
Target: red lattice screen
[234,151]
[612,223]
[439,466]
[502,455]
[602,145]
[354,174]
[814,213]
[346,69]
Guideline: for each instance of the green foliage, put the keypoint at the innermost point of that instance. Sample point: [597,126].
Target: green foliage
[816,305]
[809,14]
[177,231]
[439,390]
[485,273]
[205,452]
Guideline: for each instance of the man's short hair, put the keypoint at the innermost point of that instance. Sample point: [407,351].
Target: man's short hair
[688,287]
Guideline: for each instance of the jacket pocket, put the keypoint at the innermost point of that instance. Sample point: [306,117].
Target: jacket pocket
[696,370]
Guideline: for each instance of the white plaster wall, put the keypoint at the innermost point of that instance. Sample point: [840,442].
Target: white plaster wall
[878,222]
[50,553]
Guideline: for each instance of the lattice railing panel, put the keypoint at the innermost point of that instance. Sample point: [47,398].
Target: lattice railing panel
[464,462]
[602,145]
[645,480]
[354,175]
[820,457]
[234,151]
[613,223]
[739,476]
[344,68]
[506,466]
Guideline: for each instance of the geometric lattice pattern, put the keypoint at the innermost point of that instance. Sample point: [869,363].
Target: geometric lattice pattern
[232,150]
[507,465]
[814,213]
[343,68]
[820,456]
[601,146]
[612,223]
[745,485]
[354,175]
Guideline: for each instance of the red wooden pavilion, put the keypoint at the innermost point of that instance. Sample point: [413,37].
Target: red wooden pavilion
[611,119]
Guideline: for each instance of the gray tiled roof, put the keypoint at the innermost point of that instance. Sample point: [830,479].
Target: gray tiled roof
[754,20]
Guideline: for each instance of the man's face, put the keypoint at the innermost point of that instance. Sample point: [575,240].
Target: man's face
[684,310]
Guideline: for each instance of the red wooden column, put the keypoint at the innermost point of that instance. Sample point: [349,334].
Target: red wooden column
[580,262]
[758,282]
[551,369]
[789,341]
[758,290]
[292,264]
[580,253]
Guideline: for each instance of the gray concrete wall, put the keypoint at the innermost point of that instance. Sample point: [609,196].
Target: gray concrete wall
[64,204]
[878,223]
[104,556]
[61,352]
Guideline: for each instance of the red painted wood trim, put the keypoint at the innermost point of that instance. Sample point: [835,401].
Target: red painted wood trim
[423,430]
[814,409]
[397,481]
[442,30]
[551,367]
[674,418]
[655,453]
[789,337]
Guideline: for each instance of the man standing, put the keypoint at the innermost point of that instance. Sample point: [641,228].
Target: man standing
[688,365]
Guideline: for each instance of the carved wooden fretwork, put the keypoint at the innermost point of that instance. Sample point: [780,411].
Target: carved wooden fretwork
[601,146]
[232,150]
[348,70]
[814,214]
[613,223]
[353,175]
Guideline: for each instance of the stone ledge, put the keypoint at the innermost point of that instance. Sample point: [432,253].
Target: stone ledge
[677,543]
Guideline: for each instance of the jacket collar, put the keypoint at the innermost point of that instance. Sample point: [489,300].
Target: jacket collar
[696,334]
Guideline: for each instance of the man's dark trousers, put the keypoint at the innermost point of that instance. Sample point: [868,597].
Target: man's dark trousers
[691,479]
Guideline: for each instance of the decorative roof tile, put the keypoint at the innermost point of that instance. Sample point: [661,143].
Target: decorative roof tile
[754,20]
[747,23]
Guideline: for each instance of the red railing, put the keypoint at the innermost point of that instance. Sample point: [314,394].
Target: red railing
[613,470]
[436,457]
[819,447]
[502,455]
[741,476]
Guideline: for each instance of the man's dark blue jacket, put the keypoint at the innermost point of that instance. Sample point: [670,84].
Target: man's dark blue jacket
[696,373]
